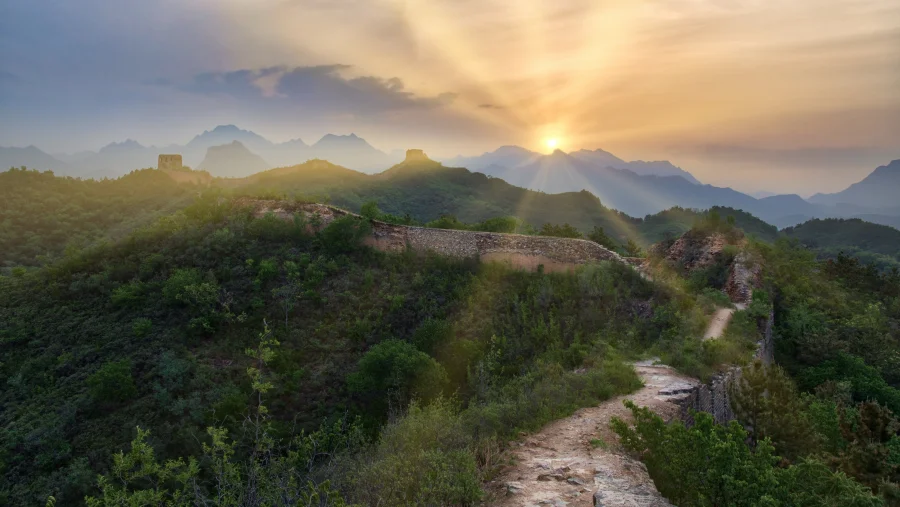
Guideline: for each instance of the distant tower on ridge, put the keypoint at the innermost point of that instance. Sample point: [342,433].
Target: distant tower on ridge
[169,163]
[416,156]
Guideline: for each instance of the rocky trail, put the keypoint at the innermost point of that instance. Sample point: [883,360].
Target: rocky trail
[577,461]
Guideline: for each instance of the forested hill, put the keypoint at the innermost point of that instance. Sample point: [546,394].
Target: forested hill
[427,190]
[41,214]
[874,244]
[153,332]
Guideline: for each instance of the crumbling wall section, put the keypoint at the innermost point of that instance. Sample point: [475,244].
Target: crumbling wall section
[520,251]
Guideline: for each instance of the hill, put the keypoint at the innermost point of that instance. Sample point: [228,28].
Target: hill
[874,244]
[152,332]
[507,158]
[232,160]
[31,157]
[877,190]
[44,214]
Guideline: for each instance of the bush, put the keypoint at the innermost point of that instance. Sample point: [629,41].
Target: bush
[140,327]
[424,458]
[112,382]
[344,234]
[709,464]
[128,294]
[396,369]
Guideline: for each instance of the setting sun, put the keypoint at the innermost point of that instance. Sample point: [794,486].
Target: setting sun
[552,143]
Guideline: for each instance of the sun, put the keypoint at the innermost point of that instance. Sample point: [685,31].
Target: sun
[552,143]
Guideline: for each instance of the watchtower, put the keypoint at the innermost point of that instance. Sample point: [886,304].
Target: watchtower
[169,163]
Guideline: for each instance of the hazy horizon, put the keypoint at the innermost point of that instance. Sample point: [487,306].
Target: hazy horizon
[791,98]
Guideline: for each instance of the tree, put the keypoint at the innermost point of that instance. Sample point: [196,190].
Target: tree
[632,249]
[112,382]
[397,369]
[272,473]
[598,235]
[560,231]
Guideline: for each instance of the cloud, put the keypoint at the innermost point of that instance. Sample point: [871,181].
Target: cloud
[316,89]
[489,106]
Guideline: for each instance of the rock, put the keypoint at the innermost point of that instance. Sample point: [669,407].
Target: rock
[514,488]
[551,477]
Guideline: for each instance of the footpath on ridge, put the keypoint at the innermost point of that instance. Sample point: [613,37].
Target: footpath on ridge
[576,461]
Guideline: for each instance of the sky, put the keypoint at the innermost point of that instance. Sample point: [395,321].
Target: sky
[798,96]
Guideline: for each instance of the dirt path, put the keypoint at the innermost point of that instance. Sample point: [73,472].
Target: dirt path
[577,461]
[560,465]
[720,321]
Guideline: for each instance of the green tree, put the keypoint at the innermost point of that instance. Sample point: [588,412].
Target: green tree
[599,236]
[112,382]
[397,369]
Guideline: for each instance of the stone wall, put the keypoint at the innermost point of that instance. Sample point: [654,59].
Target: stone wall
[169,163]
[520,251]
[713,397]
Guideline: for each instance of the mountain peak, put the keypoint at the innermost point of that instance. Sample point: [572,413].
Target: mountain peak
[225,129]
[128,144]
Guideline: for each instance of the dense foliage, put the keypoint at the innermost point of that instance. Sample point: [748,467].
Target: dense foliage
[709,464]
[150,331]
[870,243]
[42,214]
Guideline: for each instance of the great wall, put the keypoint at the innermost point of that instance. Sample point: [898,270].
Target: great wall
[559,465]
[520,251]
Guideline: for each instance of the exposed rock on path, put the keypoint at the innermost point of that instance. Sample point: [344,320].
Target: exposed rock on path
[560,466]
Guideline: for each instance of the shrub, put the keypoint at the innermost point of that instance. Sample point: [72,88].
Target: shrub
[344,234]
[140,327]
[175,287]
[397,369]
[128,294]
[424,458]
[112,382]
[709,464]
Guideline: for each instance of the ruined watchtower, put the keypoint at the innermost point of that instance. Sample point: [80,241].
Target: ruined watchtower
[169,163]
[416,156]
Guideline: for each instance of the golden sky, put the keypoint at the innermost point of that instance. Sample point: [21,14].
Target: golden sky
[729,90]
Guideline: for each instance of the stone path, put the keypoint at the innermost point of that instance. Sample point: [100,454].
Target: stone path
[561,466]
[577,461]
[720,321]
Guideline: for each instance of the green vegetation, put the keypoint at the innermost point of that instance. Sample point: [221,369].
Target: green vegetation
[42,215]
[131,309]
[150,332]
[709,464]
[874,244]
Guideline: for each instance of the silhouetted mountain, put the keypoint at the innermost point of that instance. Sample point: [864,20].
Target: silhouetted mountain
[509,157]
[224,134]
[287,153]
[655,168]
[880,189]
[350,151]
[30,157]
[232,160]
[621,189]
[502,157]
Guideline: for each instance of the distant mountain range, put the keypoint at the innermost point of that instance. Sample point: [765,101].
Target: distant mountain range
[637,188]
[645,188]
[120,158]
[510,157]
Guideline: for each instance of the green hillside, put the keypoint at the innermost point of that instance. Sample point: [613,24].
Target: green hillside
[41,214]
[874,244]
[152,331]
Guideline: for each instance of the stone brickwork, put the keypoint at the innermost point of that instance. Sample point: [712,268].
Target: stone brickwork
[714,396]
[169,163]
[520,251]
